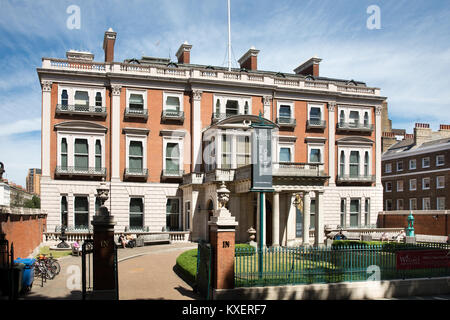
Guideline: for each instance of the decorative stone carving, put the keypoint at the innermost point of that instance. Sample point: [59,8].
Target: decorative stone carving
[267,100]
[378,110]
[103,195]
[46,86]
[331,106]
[223,195]
[197,94]
[116,89]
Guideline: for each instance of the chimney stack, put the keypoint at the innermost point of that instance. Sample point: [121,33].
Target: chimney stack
[108,44]
[444,130]
[184,53]
[249,60]
[310,67]
[422,133]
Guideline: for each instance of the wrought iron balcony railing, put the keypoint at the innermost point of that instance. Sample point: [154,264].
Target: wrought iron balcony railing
[354,126]
[79,109]
[298,169]
[80,171]
[136,173]
[217,116]
[316,124]
[172,173]
[355,178]
[172,115]
[136,113]
[286,122]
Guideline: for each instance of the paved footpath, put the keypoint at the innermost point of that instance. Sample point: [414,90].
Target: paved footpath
[144,273]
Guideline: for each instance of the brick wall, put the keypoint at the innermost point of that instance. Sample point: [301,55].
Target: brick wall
[430,223]
[25,230]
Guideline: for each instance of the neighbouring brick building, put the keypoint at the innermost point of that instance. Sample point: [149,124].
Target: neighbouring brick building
[164,134]
[416,171]
[34,181]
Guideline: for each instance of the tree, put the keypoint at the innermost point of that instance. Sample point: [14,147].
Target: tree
[35,203]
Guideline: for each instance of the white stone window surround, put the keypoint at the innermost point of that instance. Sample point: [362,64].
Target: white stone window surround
[316,105]
[70,138]
[71,89]
[426,203]
[442,162]
[440,182]
[289,103]
[412,184]
[424,187]
[177,94]
[413,204]
[316,145]
[399,165]
[400,207]
[388,186]
[411,166]
[142,92]
[360,109]
[400,185]
[362,151]
[173,139]
[423,162]
[180,210]
[71,217]
[388,168]
[288,145]
[440,203]
[136,137]
[223,102]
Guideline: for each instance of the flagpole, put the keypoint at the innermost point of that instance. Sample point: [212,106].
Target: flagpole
[229,38]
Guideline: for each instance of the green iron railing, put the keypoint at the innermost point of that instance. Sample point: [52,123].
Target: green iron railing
[338,263]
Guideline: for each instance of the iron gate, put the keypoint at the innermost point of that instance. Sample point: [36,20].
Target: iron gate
[204,257]
[87,280]
[6,269]
[87,253]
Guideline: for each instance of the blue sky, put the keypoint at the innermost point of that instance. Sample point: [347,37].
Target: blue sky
[408,58]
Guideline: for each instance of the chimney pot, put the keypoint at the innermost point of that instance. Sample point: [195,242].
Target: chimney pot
[250,59]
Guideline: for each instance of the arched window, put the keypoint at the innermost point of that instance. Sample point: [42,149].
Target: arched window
[64,98]
[366,163]
[64,153]
[98,99]
[342,164]
[98,155]
[218,108]
[342,117]
[64,208]
[366,119]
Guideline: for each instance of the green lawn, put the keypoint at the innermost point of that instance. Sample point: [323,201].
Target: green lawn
[56,254]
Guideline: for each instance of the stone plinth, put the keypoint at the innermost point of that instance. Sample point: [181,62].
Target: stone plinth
[104,275]
[222,238]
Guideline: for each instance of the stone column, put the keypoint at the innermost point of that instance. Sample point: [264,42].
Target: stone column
[319,229]
[378,145]
[115,132]
[331,143]
[306,217]
[222,239]
[196,131]
[46,129]
[276,220]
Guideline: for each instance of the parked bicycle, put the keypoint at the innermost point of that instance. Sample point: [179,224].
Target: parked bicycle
[46,267]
